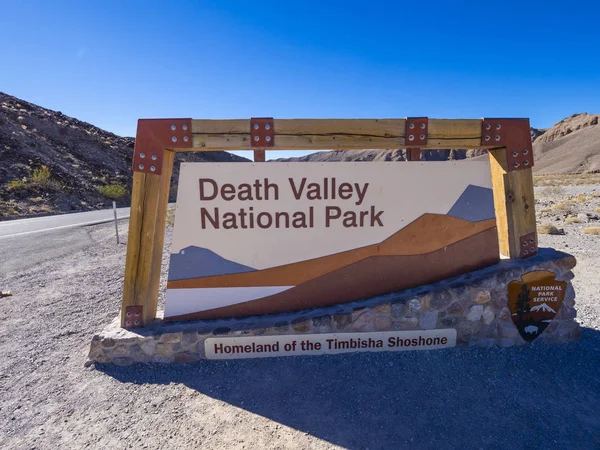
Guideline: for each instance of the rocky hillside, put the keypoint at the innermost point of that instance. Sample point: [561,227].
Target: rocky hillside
[570,146]
[52,163]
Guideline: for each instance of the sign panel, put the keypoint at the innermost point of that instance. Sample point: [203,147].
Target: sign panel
[330,343]
[534,301]
[273,237]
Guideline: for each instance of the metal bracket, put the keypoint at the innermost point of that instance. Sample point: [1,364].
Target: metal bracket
[262,132]
[153,136]
[515,135]
[133,316]
[416,131]
[528,245]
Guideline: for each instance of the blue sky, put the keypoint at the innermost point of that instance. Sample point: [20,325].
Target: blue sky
[112,62]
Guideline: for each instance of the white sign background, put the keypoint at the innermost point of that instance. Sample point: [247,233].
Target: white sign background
[405,191]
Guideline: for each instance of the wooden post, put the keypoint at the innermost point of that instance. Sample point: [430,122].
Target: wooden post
[259,155]
[148,218]
[413,154]
[514,203]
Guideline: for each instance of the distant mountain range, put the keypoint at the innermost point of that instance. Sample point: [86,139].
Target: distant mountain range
[570,146]
[83,159]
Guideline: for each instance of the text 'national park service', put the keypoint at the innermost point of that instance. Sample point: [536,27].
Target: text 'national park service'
[357,215]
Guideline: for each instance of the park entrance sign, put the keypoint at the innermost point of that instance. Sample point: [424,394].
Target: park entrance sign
[275,259]
[252,238]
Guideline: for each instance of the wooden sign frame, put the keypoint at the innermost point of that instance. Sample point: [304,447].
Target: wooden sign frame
[157,140]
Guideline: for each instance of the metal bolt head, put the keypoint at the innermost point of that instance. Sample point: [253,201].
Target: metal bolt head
[411,137]
[267,127]
[256,138]
[173,127]
[256,126]
[498,126]
[422,137]
[525,252]
[268,138]
[128,314]
[141,167]
[516,164]
[142,155]
[515,154]
[153,157]
[422,126]
[185,139]
[152,169]
[524,244]
[411,126]
[497,137]
[488,127]
[531,240]
[128,323]
[487,138]
[174,138]
[525,152]
[526,162]
[532,249]
[136,323]
[184,127]
[137,314]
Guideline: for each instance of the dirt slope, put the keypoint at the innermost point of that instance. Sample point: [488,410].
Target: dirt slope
[570,146]
[81,159]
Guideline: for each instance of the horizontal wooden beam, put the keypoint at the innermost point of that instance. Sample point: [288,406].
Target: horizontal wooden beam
[334,134]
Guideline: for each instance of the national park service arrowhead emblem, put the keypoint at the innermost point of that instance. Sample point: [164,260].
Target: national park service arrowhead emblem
[534,301]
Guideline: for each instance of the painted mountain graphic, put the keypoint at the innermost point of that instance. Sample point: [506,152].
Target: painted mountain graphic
[431,248]
[195,262]
[476,203]
[543,308]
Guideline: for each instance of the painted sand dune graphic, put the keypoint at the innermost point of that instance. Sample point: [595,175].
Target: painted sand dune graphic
[370,276]
[428,233]
[431,248]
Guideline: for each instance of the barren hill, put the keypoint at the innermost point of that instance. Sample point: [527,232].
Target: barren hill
[570,146]
[81,160]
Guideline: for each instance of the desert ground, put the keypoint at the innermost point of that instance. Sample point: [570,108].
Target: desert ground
[67,285]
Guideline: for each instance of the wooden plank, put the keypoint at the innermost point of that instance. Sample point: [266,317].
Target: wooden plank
[513,201]
[336,134]
[159,236]
[145,240]
[133,242]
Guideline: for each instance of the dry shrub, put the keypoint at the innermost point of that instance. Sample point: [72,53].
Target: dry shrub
[114,191]
[597,210]
[171,216]
[573,220]
[41,176]
[591,230]
[553,191]
[564,206]
[580,199]
[546,228]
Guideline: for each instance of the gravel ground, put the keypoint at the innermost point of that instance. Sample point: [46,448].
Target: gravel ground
[66,286]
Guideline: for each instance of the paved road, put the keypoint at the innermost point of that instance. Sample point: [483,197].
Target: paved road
[23,227]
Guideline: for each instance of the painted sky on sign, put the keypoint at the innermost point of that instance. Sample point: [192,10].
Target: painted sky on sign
[111,62]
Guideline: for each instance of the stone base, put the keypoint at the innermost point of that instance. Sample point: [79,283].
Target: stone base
[475,304]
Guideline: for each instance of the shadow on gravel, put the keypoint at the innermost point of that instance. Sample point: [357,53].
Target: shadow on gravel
[531,397]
